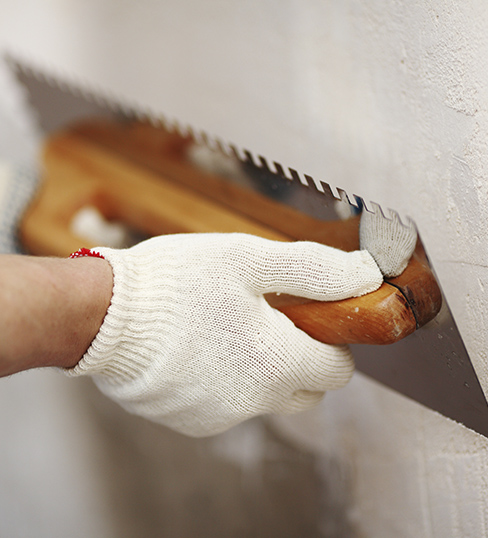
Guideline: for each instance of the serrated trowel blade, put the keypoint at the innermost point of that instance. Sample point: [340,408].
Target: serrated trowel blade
[431,366]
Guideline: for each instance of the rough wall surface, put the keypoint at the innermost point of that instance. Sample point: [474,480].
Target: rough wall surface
[385,99]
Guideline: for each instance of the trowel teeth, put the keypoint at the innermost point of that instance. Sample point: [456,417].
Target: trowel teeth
[64,83]
[119,106]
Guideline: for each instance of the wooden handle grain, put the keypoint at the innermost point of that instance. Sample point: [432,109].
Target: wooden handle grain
[84,168]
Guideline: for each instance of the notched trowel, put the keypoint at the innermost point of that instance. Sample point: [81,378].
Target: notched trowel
[157,178]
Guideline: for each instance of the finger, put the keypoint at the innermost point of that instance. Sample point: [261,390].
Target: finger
[320,368]
[301,400]
[308,364]
[313,271]
[390,242]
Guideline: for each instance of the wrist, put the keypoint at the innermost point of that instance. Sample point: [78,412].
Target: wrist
[88,283]
[53,310]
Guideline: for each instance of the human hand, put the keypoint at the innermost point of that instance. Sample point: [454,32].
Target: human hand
[190,342]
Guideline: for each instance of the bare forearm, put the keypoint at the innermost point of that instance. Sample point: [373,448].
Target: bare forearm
[50,309]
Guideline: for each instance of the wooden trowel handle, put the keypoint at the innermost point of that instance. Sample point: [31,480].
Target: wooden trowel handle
[81,170]
[397,309]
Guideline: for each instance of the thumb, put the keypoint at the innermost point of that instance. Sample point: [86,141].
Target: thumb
[314,271]
[390,242]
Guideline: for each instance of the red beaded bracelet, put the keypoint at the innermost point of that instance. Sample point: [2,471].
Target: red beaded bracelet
[84,252]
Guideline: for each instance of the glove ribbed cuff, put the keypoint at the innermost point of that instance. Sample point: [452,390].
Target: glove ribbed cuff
[119,350]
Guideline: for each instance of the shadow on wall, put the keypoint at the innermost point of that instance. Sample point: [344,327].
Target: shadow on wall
[247,482]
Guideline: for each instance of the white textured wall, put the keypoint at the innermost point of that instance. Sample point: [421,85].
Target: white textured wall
[387,99]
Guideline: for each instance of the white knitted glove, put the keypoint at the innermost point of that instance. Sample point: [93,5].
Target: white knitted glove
[389,242]
[189,341]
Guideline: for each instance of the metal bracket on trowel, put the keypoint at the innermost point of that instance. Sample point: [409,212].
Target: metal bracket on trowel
[160,179]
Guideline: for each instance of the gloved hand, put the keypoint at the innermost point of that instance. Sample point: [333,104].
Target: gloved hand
[190,342]
[389,242]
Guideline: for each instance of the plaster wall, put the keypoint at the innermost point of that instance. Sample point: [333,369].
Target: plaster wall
[385,99]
